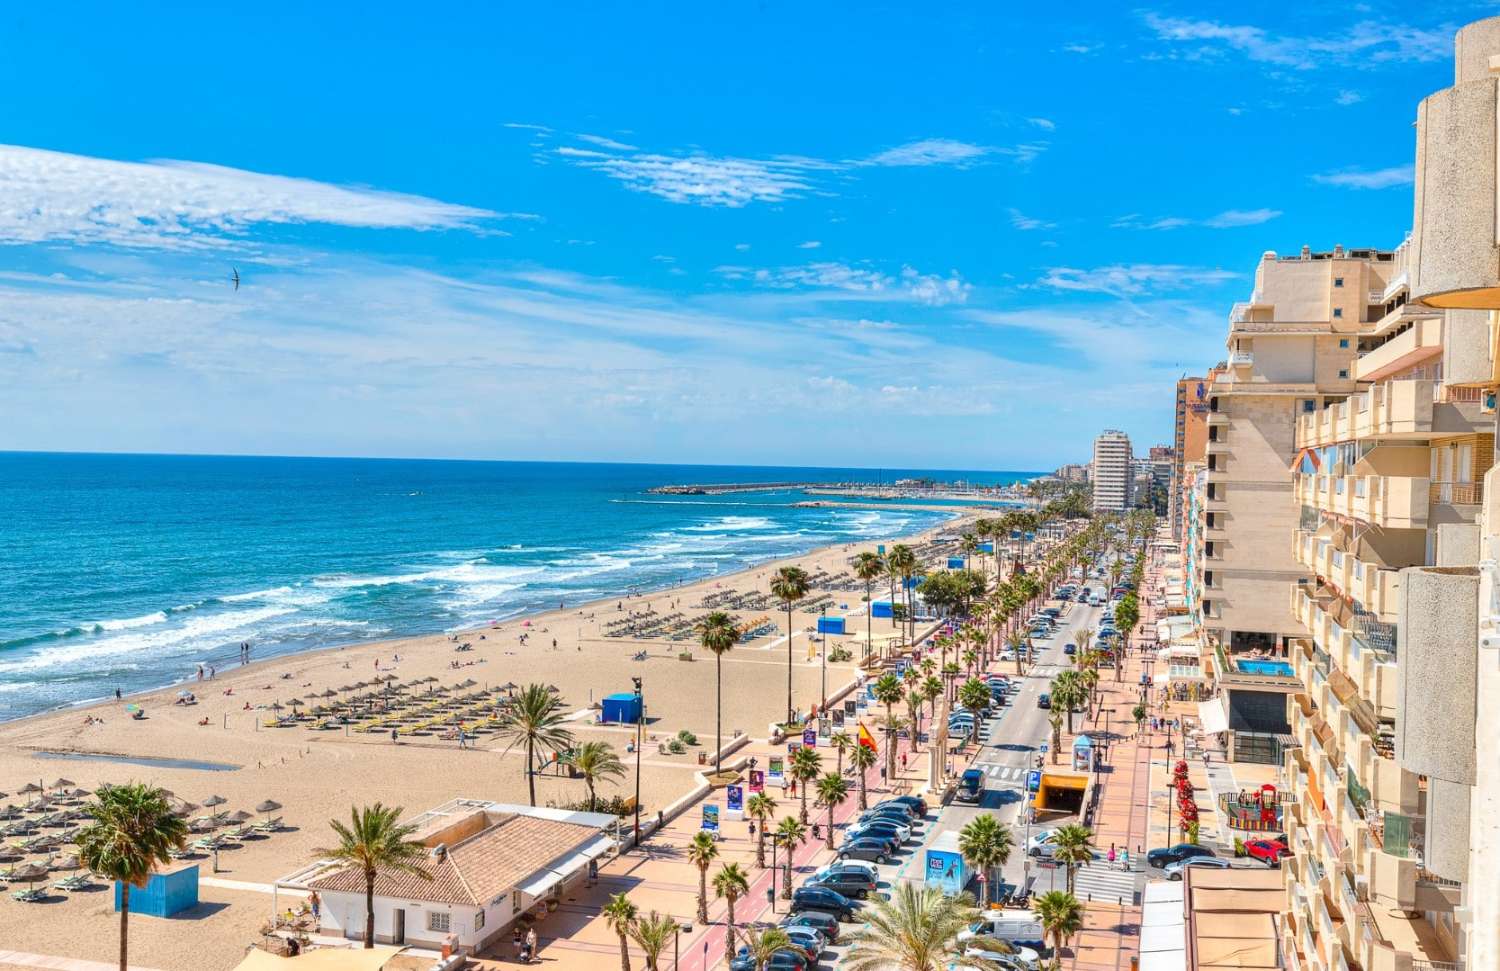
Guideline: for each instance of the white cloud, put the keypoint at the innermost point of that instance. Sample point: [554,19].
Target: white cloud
[1025,223]
[1045,124]
[742,247]
[1369,179]
[704,180]
[604,142]
[810,244]
[1348,98]
[1228,219]
[909,284]
[1363,42]
[1133,279]
[1081,48]
[930,151]
[53,196]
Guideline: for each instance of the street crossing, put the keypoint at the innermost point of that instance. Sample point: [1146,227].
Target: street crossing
[1093,881]
[1003,773]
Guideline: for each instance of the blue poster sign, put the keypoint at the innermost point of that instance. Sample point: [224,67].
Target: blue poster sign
[810,737]
[1034,780]
[734,798]
[711,816]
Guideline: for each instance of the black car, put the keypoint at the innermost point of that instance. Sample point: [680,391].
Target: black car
[780,961]
[915,805]
[817,920]
[1173,854]
[899,813]
[873,848]
[849,882]
[824,901]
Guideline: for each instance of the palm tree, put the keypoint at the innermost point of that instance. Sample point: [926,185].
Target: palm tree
[805,764]
[985,843]
[790,585]
[761,808]
[841,742]
[535,721]
[914,699]
[133,831]
[861,757]
[969,544]
[1062,916]
[868,567]
[1067,692]
[595,761]
[974,695]
[376,840]
[731,883]
[887,691]
[1088,680]
[1073,846]
[1055,721]
[832,791]
[791,833]
[904,562]
[1016,641]
[765,945]
[718,633]
[703,850]
[652,934]
[916,929]
[620,915]
[932,690]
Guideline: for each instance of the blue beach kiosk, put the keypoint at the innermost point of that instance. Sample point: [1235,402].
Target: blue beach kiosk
[167,892]
[623,707]
[880,608]
[955,563]
[944,866]
[830,625]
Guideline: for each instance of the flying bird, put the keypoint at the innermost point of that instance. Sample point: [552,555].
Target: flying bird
[235,276]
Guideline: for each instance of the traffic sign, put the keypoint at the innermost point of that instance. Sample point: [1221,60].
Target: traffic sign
[1044,746]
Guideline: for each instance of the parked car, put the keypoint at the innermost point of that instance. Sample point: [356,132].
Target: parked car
[811,942]
[863,867]
[824,901]
[850,883]
[1161,856]
[1070,649]
[1024,931]
[871,848]
[815,919]
[970,786]
[915,805]
[900,832]
[780,961]
[886,810]
[1002,953]
[1269,852]
[1044,700]
[1173,871]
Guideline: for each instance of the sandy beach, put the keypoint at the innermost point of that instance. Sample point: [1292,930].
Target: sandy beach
[586,651]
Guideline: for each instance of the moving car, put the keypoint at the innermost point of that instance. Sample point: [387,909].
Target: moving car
[871,848]
[1161,856]
[1173,871]
[824,901]
[1044,700]
[1269,852]
[971,786]
[815,919]
[1070,649]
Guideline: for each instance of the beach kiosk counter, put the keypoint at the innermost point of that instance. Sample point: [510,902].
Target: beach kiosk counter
[623,708]
[945,867]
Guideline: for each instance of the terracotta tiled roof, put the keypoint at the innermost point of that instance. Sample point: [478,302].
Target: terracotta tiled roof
[478,869]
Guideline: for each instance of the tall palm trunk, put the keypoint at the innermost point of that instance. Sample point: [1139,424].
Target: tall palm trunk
[863,803]
[703,895]
[369,913]
[788,662]
[530,775]
[828,841]
[624,952]
[729,930]
[718,711]
[125,925]
[760,847]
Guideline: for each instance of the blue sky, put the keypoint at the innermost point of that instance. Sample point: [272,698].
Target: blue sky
[962,236]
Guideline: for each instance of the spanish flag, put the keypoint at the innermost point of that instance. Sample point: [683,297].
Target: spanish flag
[866,739]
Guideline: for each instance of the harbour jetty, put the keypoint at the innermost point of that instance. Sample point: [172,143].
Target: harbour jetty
[725,488]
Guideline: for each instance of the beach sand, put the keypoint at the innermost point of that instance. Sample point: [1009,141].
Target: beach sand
[317,775]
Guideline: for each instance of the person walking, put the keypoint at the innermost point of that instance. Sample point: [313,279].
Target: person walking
[530,945]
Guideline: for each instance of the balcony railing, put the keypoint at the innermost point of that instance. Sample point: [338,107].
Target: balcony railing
[1456,493]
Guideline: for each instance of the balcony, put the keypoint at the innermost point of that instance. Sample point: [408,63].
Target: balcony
[1393,410]
[1423,340]
[1218,418]
[1216,446]
[1241,359]
[1390,502]
[1456,493]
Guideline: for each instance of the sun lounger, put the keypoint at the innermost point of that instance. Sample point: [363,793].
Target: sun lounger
[269,825]
[75,882]
[30,895]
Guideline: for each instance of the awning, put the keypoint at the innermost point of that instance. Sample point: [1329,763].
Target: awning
[1212,716]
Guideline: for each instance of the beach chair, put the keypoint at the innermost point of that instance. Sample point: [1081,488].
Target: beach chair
[30,895]
[70,884]
[268,825]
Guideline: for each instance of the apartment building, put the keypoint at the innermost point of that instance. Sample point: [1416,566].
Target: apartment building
[1112,472]
[1189,436]
[1394,829]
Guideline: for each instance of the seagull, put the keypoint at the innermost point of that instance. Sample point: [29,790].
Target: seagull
[235,276]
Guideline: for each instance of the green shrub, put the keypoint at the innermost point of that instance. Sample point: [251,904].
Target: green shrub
[676,747]
[687,738]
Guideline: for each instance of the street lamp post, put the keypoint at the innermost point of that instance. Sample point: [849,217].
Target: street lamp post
[823,638]
[640,724]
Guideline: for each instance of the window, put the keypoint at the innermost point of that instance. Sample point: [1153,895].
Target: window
[1343,343]
[1309,406]
[439,920]
[1338,282]
[1338,312]
[1343,372]
[479,920]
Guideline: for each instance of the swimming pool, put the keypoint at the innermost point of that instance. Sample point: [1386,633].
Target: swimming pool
[1279,668]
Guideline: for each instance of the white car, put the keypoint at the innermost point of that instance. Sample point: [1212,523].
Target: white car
[845,865]
[1173,871]
[1022,956]
[1041,838]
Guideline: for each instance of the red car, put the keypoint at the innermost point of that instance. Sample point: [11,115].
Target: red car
[1268,852]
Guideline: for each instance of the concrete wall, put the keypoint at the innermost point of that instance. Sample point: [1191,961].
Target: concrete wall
[1436,661]
[1447,831]
[1457,544]
[1283,360]
[1466,347]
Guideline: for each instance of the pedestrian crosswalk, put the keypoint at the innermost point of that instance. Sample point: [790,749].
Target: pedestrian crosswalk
[1003,773]
[1095,881]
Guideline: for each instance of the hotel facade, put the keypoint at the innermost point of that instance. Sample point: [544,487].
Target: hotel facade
[1341,543]
[1112,472]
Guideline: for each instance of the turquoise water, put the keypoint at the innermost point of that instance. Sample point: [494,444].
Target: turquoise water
[122,571]
[1280,668]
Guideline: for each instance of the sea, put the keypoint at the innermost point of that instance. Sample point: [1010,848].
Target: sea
[127,571]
